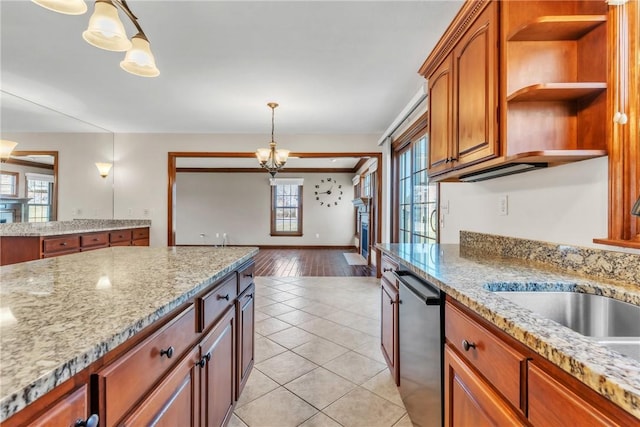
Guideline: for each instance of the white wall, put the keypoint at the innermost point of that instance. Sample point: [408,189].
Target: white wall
[239,204]
[80,187]
[563,204]
[141,161]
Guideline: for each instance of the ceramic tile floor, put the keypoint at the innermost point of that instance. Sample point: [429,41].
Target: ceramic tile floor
[318,360]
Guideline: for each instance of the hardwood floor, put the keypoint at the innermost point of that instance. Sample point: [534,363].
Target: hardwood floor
[308,262]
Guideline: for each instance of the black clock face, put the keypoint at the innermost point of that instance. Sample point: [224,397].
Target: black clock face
[328,193]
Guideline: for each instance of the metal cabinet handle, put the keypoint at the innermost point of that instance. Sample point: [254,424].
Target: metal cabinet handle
[467,345]
[203,361]
[249,296]
[223,297]
[168,352]
[385,270]
[391,302]
[63,244]
[92,421]
[249,275]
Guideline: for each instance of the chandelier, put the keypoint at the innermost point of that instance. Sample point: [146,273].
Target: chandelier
[269,158]
[106,31]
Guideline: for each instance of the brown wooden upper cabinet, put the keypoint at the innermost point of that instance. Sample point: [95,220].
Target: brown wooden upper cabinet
[517,83]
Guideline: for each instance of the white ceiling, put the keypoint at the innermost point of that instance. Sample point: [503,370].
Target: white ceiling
[251,163]
[334,66]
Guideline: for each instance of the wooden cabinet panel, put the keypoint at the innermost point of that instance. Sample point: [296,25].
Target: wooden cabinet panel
[218,381]
[120,236]
[389,332]
[245,317]
[468,400]
[476,90]
[173,402]
[552,404]
[123,382]
[214,303]
[493,358]
[64,244]
[66,412]
[245,276]
[140,233]
[440,117]
[139,242]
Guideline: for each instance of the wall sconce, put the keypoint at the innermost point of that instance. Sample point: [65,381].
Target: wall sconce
[6,147]
[104,169]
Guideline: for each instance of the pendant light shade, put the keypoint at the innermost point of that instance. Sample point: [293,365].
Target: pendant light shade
[105,29]
[139,60]
[271,158]
[68,7]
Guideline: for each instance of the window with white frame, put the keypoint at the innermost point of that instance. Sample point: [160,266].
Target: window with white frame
[40,193]
[9,184]
[286,206]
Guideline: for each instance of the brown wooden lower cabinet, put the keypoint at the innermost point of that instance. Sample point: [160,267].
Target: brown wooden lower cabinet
[245,319]
[491,379]
[66,412]
[389,330]
[173,402]
[469,400]
[218,361]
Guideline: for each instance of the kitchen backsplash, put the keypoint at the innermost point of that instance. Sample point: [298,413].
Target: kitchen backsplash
[589,262]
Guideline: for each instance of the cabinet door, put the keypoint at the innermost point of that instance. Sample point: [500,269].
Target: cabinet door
[389,332]
[468,400]
[174,402]
[476,90]
[440,117]
[66,412]
[245,336]
[218,351]
[552,404]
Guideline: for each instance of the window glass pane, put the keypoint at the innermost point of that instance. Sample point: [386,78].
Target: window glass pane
[286,209]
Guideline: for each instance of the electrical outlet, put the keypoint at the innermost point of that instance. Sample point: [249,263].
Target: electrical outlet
[317,235]
[503,205]
[145,211]
[444,207]
[130,212]
[217,235]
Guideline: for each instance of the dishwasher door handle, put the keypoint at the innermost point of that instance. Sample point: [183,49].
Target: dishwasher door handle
[430,297]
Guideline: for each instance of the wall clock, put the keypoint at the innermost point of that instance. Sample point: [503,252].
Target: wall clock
[328,192]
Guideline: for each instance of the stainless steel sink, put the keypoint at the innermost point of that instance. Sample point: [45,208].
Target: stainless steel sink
[610,322]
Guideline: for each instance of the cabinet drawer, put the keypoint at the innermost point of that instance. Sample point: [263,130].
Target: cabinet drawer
[494,359]
[120,236]
[140,242]
[131,376]
[388,266]
[61,244]
[217,300]
[67,411]
[245,276]
[97,239]
[140,233]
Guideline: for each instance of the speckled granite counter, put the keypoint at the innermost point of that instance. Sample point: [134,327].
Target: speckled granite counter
[464,274]
[59,315]
[56,228]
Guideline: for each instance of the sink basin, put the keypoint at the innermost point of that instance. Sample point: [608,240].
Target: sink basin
[613,323]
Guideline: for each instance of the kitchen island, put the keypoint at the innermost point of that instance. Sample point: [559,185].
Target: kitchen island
[71,317]
[469,277]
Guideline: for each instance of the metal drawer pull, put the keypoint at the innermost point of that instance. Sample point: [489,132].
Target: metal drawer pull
[467,345]
[206,358]
[168,352]
[384,270]
[249,275]
[223,297]
[63,244]
[92,421]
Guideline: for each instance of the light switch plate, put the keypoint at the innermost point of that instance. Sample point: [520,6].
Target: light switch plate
[503,205]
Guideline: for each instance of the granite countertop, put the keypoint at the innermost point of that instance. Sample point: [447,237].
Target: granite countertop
[59,315]
[466,274]
[57,228]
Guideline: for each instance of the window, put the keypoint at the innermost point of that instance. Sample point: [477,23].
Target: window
[39,191]
[286,207]
[417,198]
[9,184]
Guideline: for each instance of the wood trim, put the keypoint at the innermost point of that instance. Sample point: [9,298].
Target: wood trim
[171,181]
[318,247]
[21,162]
[624,140]
[260,170]
[419,126]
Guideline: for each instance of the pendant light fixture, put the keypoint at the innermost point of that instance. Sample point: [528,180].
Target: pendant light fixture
[6,147]
[106,31]
[269,158]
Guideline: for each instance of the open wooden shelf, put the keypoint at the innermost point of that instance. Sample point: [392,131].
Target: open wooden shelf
[556,91]
[550,28]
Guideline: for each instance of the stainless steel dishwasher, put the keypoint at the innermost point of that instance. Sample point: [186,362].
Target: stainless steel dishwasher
[421,348]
